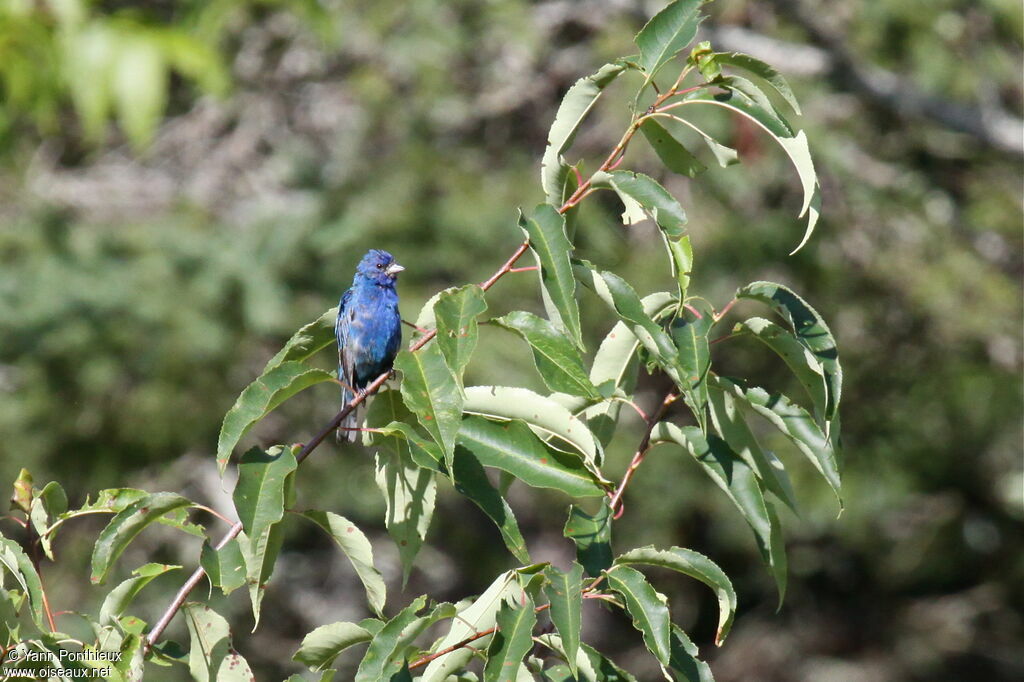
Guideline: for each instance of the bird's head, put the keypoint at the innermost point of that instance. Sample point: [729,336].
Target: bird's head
[378,267]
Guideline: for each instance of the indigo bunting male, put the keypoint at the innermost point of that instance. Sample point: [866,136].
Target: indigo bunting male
[369,329]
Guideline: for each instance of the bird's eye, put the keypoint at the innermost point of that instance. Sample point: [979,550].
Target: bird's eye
[380,266]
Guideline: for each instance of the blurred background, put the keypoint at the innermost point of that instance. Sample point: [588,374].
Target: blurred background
[185,182]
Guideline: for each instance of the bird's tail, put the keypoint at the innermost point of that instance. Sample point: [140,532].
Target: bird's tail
[346,432]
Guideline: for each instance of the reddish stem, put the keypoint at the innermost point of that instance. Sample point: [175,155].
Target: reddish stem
[641,452]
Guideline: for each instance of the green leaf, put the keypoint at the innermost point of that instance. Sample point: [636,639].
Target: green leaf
[732,474]
[408,489]
[307,341]
[797,356]
[668,32]
[593,537]
[234,668]
[210,638]
[615,367]
[512,641]
[726,156]
[356,547]
[455,315]
[47,504]
[21,498]
[542,415]
[321,646]
[385,655]
[768,73]
[684,659]
[128,523]
[671,151]
[649,195]
[793,422]
[697,566]
[260,398]
[690,335]
[605,670]
[729,420]
[432,392]
[810,330]
[624,301]
[647,608]
[575,106]
[121,596]
[681,256]
[558,360]
[265,486]
[564,593]
[471,619]
[225,567]
[471,481]
[546,232]
[17,563]
[512,447]
[758,109]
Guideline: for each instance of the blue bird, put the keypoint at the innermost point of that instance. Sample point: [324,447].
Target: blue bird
[369,329]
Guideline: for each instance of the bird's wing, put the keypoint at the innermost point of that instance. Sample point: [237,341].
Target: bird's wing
[346,358]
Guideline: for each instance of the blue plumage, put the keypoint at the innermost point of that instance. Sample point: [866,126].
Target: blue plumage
[369,329]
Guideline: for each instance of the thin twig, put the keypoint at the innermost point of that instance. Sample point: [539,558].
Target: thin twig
[641,452]
[423,660]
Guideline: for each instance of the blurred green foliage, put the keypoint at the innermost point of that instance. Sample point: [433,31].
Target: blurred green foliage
[279,140]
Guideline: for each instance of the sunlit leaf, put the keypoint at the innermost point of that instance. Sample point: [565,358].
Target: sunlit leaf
[431,390]
[558,360]
[260,398]
[356,547]
[225,567]
[668,32]
[545,230]
[648,609]
[118,599]
[321,646]
[455,314]
[564,593]
[645,191]
[676,157]
[593,537]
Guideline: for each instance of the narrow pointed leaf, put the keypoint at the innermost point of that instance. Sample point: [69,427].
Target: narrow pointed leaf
[648,194]
[690,335]
[564,593]
[729,419]
[46,506]
[593,537]
[671,151]
[810,330]
[409,490]
[385,655]
[118,599]
[575,106]
[735,478]
[321,646]
[794,422]
[668,32]
[543,415]
[470,620]
[647,608]
[17,563]
[513,447]
[307,341]
[512,641]
[471,481]
[551,247]
[260,398]
[265,484]
[558,360]
[684,664]
[125,525]
[455,314]
[697,566]
[356,547]
[432,392]
[768,73]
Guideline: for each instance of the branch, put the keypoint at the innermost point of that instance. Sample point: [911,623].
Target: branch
[641,452]
[614,158]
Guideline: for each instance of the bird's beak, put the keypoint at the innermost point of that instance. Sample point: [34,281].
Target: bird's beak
[393,270]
